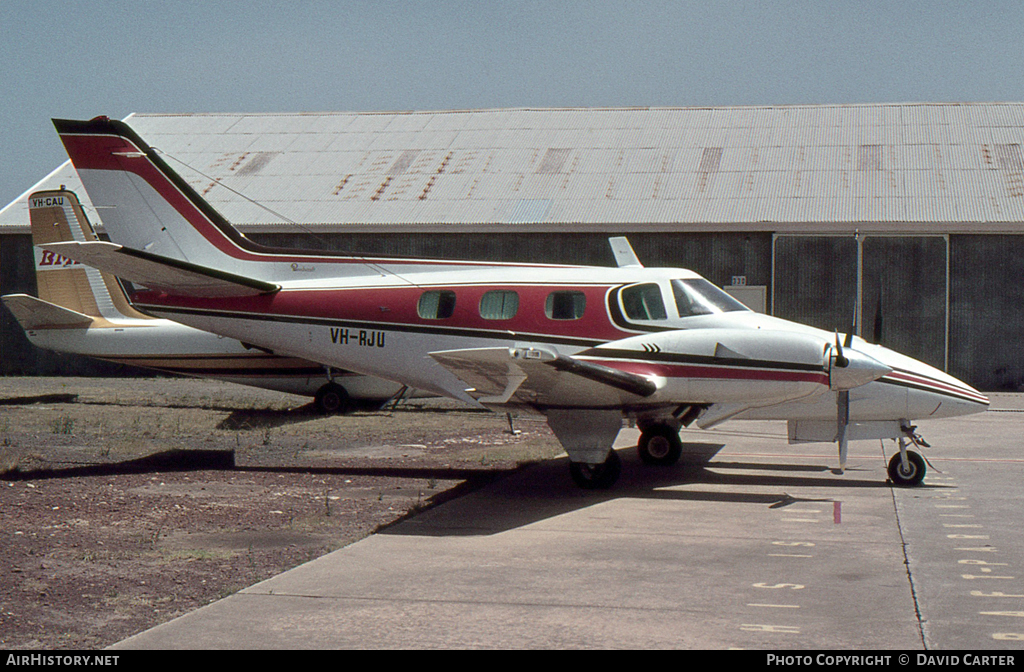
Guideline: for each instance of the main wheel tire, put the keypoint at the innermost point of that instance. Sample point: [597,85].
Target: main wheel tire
[597,476]
[660,445]
[913,475]
[331,399]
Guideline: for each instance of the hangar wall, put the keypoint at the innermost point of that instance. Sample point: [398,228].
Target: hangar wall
[987,310]
[901,282]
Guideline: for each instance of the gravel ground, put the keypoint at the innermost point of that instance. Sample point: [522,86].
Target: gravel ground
[128,502]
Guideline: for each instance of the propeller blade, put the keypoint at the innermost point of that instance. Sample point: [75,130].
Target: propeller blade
[842,422]
[878,317]
[841,361]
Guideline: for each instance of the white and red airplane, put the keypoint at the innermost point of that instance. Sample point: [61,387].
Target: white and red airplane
[584,346]
[82,311]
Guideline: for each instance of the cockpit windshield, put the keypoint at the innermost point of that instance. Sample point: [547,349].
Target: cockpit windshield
[700,297]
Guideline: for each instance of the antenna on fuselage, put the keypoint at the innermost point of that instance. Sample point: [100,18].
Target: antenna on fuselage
[624,254]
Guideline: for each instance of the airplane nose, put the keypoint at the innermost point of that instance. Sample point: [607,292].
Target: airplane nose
[938,395]
[928,391]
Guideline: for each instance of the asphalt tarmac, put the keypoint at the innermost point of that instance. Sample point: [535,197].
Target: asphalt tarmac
[748,543]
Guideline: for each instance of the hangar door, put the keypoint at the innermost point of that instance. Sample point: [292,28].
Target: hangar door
[897,286]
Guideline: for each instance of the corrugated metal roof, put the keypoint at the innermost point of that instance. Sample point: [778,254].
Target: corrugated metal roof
[947,167]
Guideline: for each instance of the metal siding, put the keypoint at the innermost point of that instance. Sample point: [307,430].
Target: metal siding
[815,280]
[986,320]
[904,295]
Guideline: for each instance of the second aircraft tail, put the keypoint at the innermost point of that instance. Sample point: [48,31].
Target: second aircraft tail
[56,217]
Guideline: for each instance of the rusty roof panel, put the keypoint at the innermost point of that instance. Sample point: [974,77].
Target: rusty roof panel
[826,167]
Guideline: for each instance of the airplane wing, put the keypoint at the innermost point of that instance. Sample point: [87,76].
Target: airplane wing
[161,273]
[33,313]
[538,377]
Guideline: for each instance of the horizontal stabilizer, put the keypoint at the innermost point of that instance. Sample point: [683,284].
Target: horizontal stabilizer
[535,376]
[33,313]
[161,273]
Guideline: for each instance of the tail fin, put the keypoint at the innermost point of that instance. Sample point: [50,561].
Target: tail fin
[56,217]
[145,204]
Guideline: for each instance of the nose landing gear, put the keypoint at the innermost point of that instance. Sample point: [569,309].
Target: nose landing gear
[907,468]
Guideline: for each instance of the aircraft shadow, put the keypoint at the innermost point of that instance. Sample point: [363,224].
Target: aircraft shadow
[39,399]
[544,491]
[523,495]
[263,418]
[224,460]
[240,419]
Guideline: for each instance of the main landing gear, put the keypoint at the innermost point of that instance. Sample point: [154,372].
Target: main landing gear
[659,445]
[597,476]
[331,398]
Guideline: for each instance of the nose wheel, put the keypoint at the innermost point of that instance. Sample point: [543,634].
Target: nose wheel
[907,468]
[910,474]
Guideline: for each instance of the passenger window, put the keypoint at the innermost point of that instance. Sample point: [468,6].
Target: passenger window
[436,304]
[565,305]
[643,302]
[499,304]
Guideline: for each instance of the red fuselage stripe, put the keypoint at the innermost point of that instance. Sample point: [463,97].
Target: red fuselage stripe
[937,386]
[714,372]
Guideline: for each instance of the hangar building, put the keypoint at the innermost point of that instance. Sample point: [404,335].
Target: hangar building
[910,216]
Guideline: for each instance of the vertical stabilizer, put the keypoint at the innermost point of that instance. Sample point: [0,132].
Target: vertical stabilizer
[146,205]
[57,216]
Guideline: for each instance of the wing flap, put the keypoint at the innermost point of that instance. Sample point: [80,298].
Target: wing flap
[161,273]
[33,313]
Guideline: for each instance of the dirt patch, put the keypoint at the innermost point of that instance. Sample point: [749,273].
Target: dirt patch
[126,503]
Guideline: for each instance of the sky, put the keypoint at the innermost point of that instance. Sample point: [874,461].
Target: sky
[79,59]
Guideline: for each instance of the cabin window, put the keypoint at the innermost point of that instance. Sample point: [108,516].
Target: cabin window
[643,302]
[699,297]
[436,304]
[565,305]
[499,304]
